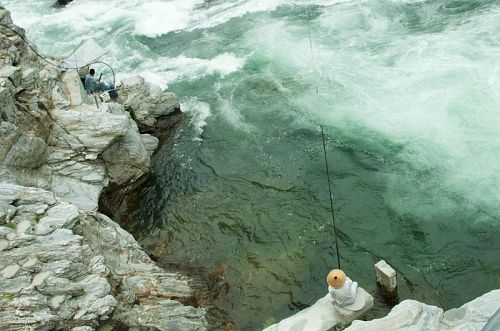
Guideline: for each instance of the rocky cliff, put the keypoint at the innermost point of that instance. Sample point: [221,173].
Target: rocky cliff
[63,265]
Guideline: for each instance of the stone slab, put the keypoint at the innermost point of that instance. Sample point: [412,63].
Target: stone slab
[323,316]
[386,276]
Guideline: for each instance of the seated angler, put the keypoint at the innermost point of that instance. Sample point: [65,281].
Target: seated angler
[343,291]
[91,85]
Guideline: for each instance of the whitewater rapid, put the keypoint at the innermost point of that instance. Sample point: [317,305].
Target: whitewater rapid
[408,92]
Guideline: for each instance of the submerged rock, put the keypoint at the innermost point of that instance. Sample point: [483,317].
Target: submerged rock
[61,3]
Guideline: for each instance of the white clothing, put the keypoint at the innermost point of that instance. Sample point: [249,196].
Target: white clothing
[346,295]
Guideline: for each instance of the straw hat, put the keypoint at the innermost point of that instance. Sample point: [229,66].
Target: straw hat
[336,278]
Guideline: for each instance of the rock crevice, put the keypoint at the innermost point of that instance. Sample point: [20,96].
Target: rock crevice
[64,265]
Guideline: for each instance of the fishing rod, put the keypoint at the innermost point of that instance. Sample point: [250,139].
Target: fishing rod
[324,147]
[51,63]
[331,198]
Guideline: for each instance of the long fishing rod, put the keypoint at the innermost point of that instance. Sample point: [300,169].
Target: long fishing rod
[324,147]
[331,198]
[50,62]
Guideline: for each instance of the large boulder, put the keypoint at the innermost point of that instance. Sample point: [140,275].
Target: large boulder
[29,151]
[128,159]
[146,102]
[95,129]
[473,315]
[414,315]
[408,315]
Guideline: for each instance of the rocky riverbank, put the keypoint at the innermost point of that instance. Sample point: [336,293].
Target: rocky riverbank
[64,265]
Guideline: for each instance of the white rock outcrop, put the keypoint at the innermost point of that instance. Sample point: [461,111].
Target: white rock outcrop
[417,316]
[63,265]
[323,315]
[61,268]
[147,102]
[51,277]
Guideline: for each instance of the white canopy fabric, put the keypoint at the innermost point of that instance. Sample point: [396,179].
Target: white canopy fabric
[86,53]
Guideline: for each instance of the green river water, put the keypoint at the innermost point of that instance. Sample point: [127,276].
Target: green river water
[408,94]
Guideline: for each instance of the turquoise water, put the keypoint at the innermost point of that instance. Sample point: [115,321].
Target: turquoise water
[408,94]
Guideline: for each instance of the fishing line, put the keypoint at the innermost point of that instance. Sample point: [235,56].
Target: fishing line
[311,47]
[49,62]
[324,146]
[331,198]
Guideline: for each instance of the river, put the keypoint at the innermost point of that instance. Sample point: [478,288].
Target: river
[408,93]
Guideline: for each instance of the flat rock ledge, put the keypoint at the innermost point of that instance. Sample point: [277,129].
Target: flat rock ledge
[63,265]
[323,316]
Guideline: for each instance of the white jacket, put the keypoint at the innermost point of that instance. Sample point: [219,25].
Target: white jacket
[346,295]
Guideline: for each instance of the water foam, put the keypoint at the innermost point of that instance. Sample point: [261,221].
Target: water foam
[199,113]
[165,71]
[160,17]
[434,94]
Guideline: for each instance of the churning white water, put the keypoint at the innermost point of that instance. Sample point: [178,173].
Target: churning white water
[408,92]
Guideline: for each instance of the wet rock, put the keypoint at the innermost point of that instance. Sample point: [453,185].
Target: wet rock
[150,143]
[149,296]
[147,103]
[128,159]
[62,3]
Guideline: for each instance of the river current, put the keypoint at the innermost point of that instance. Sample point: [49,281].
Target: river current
[408,93]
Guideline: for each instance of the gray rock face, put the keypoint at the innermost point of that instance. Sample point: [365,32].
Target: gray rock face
[49,275]
[149,296]
[57,138]
[147,102]
[63,265]
[128,159]
[60,268]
